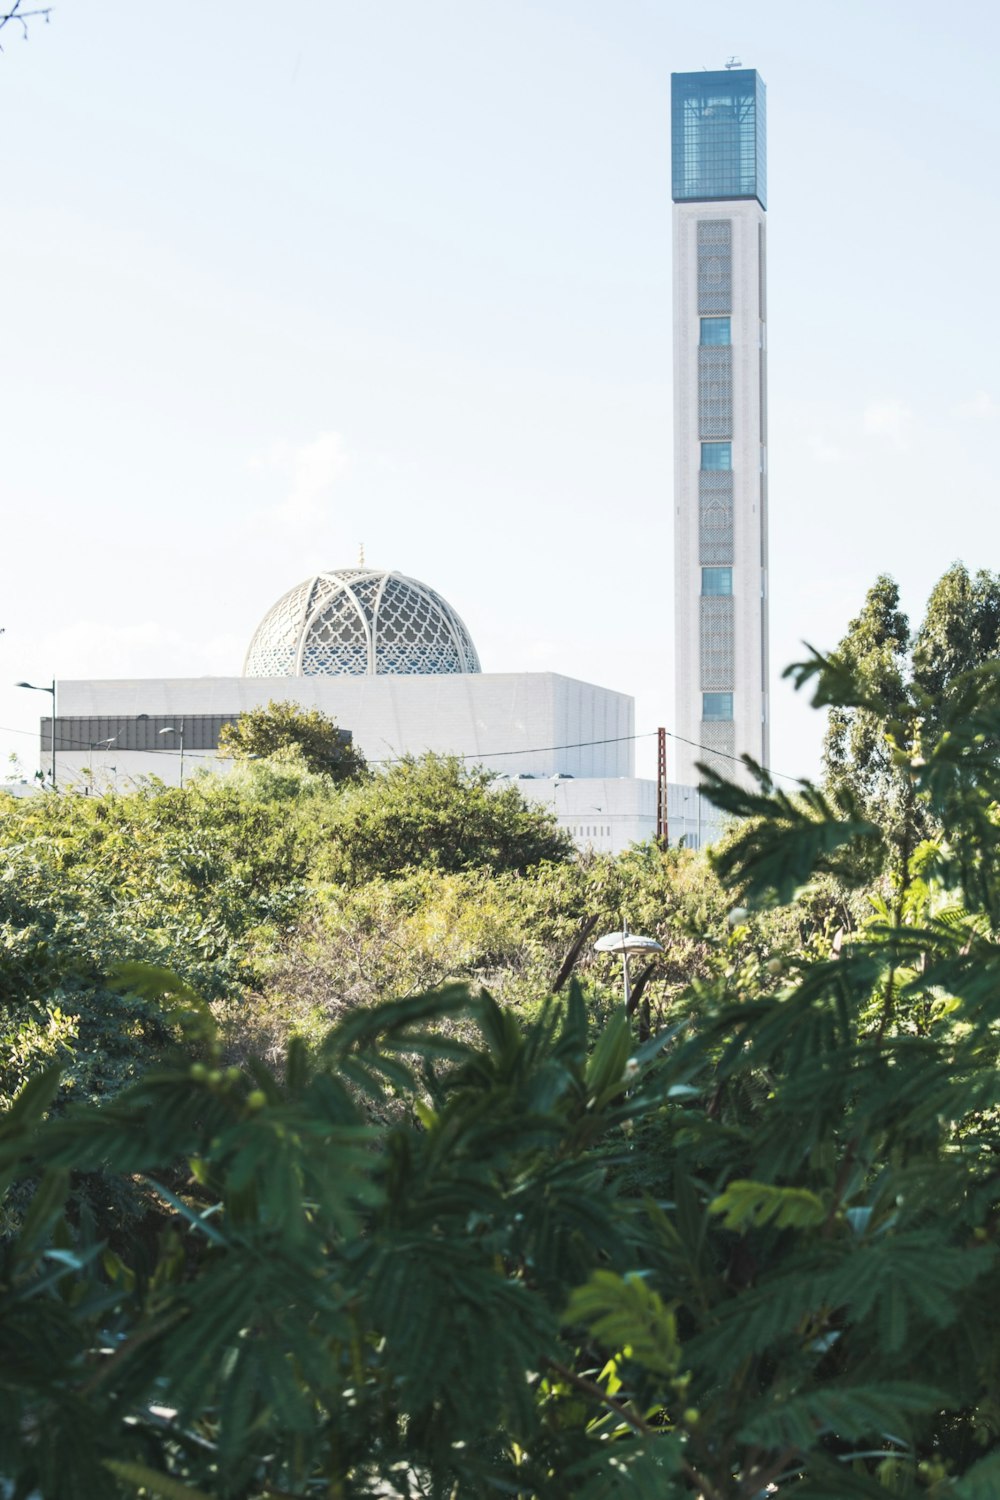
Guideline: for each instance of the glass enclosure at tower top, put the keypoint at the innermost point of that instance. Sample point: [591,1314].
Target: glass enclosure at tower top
[718,135]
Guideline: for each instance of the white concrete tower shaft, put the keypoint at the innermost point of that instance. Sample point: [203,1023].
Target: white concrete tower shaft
[720,420]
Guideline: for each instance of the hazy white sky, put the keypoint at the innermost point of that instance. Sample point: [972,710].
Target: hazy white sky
[279,280]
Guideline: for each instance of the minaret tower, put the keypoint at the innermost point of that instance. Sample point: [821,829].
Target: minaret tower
[720,417]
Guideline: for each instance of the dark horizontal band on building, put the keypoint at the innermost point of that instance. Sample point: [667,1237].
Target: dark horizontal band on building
[141,732]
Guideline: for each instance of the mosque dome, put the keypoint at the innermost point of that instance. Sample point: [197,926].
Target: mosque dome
[358,622]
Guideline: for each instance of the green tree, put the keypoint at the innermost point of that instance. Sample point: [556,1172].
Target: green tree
[200,880]
[353,1299]
[875,651]
[282,729]
[435,812]
[961,629]
[452,1252]
[829,1271]
[898,682]
[386,937]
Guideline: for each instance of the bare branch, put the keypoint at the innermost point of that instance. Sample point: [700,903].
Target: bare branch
[638,1424]
[597,1393]
[569,962]
[21,17]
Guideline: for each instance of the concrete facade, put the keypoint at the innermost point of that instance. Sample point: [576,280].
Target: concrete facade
[565,744]
[529,723]
[608,815]
[720,428]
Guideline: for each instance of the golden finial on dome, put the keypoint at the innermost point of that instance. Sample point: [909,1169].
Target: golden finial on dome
[361,554]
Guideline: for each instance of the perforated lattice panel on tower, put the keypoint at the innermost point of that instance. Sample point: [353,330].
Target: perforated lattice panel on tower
[715,392]
[715,518]
[720,739]
[716,641]
[715,266]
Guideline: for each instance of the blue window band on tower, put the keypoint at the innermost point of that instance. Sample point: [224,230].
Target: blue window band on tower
[716,581]
[716,456]
[718,136]
[717,707]
[715,331]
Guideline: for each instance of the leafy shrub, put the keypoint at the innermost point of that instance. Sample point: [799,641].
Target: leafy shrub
[290,732]
[434,812]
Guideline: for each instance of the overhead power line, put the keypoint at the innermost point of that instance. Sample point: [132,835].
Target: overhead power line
[391,760]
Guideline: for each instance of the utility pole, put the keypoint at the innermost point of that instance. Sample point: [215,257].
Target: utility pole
[661,789]
[32,687]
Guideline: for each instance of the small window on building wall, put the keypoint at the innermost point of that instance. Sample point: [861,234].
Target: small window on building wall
[717,707]
[716,456]
[717,580]
[715,331]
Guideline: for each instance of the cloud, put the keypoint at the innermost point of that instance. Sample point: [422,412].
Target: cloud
[140,648]
[982,407]
[892,420]
[311,473]
[825,452]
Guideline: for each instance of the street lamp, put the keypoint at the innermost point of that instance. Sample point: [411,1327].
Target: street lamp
[98,745]
[172,729]
[35,689]
[626,942]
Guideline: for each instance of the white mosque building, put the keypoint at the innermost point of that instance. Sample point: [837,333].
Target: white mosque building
[393,663]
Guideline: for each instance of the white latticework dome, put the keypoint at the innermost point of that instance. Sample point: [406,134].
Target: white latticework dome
[357,622]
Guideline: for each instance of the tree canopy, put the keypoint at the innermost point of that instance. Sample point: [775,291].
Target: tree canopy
[458,1229]
[437,812]
[283,729]
[451,1249]
[901,679]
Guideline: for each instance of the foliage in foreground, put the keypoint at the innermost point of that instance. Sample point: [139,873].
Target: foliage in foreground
[453,1253]
[393,937]
[210,880]
[373,1305]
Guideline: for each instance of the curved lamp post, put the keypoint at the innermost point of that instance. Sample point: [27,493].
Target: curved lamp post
[98,745]
[36,689]
[173,729]
[626,942]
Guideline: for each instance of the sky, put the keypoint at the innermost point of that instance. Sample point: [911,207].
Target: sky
[281,281]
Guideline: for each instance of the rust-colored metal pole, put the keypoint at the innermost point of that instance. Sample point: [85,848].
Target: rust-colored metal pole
[661,788]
